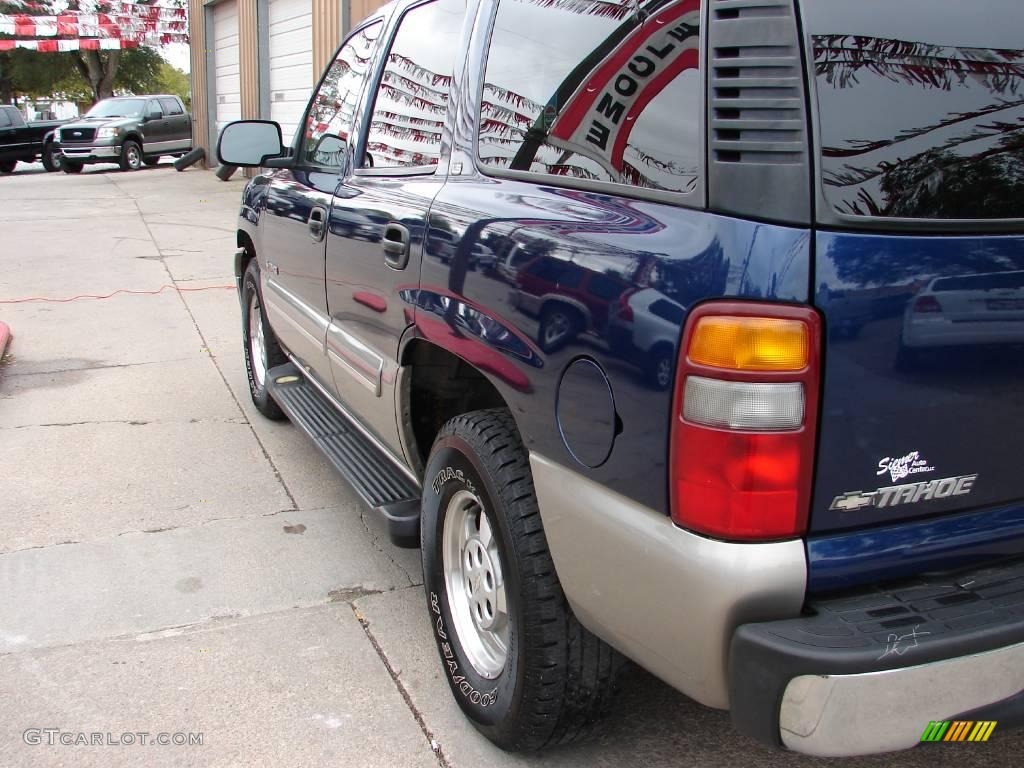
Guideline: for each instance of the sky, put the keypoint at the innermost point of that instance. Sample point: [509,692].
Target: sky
[178,55]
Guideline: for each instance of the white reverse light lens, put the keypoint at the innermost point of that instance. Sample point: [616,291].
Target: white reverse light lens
[740,405]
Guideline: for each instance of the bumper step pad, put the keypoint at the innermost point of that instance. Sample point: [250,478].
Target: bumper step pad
[378,480]
[932,619]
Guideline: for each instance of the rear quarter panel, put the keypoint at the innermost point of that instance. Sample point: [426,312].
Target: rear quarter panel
[689,255]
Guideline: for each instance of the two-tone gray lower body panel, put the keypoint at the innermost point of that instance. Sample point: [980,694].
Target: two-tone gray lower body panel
[667,598]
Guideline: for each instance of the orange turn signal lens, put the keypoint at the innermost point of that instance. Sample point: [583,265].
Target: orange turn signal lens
[749,343]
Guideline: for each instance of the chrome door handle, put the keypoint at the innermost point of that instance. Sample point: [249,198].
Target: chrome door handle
[318,223]
[396,245]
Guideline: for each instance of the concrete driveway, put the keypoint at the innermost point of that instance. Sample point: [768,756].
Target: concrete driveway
[172,563]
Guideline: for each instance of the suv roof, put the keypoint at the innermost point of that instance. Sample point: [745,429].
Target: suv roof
[143,96]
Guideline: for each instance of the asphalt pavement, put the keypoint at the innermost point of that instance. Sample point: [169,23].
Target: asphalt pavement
[171,563]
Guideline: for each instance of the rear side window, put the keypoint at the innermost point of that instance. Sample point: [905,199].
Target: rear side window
[668,310]
[596,91]
[605,287]
[571,277]
[5,119]
[547,269]
[412,99]
[171,107]
[920,107]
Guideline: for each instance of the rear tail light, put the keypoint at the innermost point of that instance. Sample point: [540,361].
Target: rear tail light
[926,305]
[744,421]
[623,310]
[749,343]
[743,405]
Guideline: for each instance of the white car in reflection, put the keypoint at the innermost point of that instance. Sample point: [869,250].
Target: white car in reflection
[644,328]
[966,310]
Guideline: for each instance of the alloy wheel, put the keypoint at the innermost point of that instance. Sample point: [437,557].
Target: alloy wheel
[475,585]
[257,342]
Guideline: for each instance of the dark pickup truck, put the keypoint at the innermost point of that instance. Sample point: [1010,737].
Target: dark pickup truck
[806,218]
[131,131]
[22,142]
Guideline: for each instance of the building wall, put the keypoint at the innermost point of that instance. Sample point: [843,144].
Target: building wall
[331,18]
[327,31]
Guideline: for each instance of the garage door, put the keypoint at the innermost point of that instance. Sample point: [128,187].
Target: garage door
[291,62]
[228,89]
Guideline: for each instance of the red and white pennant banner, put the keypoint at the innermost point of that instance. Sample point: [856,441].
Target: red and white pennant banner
[86,25]
[55,46]
[116,7]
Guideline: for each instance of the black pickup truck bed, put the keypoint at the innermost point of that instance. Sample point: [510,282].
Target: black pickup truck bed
[26,142]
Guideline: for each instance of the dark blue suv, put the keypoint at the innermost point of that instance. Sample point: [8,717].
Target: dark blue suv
[683,331]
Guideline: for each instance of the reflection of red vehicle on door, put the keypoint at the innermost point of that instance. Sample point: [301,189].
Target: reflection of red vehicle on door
[567,298]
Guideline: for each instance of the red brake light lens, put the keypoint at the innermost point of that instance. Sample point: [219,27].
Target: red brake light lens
[742,458]
[622,306]
[927,305]
[740,486]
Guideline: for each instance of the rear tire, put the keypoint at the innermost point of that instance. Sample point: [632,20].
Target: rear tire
[262,352]
[71,166]
[521,667]
[661,368]
[131,156]
[559,325]
[52,157]
[8,166]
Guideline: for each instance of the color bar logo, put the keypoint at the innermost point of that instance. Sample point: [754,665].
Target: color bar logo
[958,730]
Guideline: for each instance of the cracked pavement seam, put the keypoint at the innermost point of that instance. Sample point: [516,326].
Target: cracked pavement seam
[375,541]
[228,518]
[433,743]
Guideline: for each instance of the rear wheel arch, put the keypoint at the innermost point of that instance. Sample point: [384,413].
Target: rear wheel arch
[435,386]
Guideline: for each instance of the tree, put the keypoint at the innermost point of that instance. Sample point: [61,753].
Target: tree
[42,75]
[36,75]
[170,79]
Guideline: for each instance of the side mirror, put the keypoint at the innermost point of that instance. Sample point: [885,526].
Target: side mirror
[249,143]
[154,116]
[329,150]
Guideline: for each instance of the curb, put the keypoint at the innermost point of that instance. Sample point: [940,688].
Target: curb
[5,337]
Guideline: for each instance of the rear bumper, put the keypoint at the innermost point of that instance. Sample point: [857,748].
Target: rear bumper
[939,332]
[868,672]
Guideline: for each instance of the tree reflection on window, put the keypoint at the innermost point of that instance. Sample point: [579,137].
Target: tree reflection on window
[963,158]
